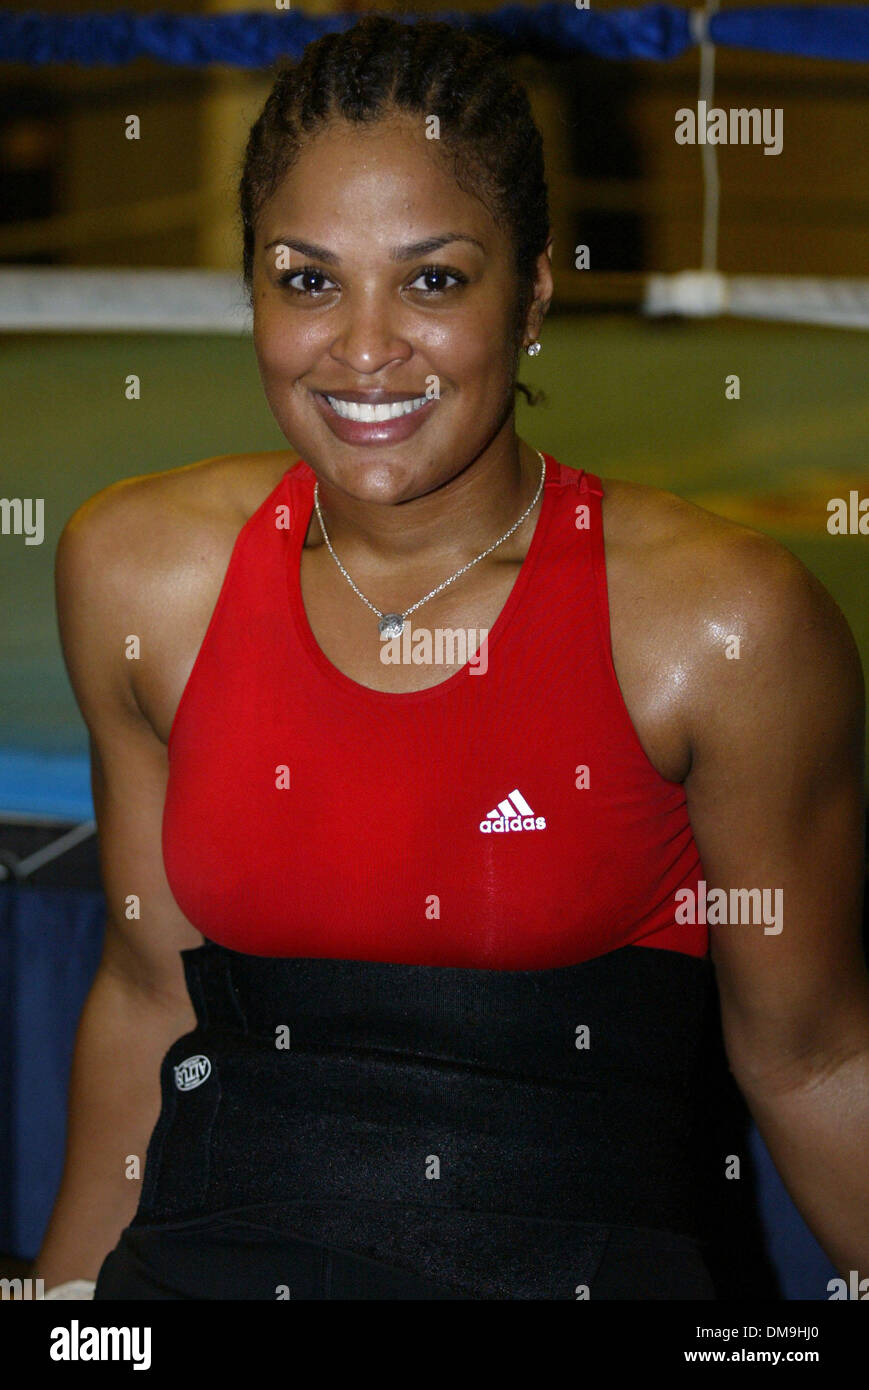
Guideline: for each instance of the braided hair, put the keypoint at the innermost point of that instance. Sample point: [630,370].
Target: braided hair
[381,66]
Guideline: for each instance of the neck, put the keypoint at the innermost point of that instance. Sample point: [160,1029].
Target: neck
[448,524]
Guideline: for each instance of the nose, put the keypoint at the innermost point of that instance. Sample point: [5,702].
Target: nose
[368,338]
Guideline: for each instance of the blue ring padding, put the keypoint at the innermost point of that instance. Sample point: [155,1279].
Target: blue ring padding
[254,40]
[45,784]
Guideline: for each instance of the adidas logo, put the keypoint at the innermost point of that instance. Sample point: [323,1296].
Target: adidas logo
[513,813]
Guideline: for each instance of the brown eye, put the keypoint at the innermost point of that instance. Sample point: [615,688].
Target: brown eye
[312,281]
[436,276]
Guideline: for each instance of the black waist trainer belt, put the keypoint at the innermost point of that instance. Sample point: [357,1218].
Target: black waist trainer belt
[483,1129]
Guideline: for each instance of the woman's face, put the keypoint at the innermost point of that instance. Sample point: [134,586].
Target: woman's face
[377,277]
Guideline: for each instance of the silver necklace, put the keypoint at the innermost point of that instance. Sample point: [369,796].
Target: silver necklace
[392,624]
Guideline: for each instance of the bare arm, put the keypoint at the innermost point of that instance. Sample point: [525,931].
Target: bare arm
[775,794]
[138,1004]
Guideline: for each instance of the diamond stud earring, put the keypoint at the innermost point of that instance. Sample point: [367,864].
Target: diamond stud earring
[533,349]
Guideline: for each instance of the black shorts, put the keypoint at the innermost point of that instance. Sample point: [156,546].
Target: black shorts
[233,1257]
[427,1133]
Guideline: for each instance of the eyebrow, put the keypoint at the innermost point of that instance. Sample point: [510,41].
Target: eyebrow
[408,252]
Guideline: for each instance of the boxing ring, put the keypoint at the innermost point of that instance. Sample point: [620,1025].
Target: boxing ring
[68,335]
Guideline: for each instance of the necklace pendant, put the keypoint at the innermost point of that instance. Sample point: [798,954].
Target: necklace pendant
[391,625]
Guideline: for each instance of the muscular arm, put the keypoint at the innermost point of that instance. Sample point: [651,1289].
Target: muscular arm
[775,794]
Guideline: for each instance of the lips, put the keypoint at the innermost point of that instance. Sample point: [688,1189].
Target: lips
[374,417]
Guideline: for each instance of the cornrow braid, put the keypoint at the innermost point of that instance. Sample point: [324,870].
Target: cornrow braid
[382,66]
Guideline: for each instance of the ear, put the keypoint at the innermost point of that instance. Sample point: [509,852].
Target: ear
[542,295]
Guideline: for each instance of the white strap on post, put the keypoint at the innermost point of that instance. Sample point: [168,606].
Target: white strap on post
[699,21]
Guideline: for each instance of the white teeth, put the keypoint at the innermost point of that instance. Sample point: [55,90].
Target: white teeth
[375,414]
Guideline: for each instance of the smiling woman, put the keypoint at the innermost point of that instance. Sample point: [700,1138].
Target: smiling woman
[345,295]
[449,1035]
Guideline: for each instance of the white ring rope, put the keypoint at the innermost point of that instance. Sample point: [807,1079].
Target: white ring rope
[48,300]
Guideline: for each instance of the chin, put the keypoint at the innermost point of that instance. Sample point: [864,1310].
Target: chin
[385,488]
[376,480]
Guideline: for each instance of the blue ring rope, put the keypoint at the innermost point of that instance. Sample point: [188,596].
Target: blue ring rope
[254,40]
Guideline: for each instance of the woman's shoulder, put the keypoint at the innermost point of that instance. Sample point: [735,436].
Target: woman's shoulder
[162,540]
[703,584]
[225,488]
[155,521]
[670,540]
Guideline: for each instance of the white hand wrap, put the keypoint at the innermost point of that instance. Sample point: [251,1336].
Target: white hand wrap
[73,1288]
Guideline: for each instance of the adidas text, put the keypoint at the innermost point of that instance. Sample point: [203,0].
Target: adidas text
[513,813]
[502,824]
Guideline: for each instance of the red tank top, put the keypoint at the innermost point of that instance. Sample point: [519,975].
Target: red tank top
[506,818]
